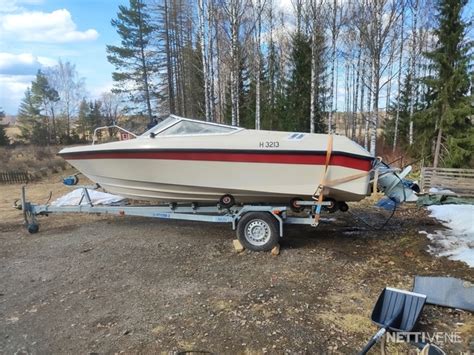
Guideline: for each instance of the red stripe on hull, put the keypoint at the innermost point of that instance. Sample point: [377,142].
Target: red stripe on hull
[338,160]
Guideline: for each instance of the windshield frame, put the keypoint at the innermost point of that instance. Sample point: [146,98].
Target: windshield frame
[178,119]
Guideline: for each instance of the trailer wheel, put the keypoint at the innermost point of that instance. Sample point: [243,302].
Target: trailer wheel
[258,231]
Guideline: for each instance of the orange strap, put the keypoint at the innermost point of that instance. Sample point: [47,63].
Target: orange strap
[326,165]
[323,181]
[346,179]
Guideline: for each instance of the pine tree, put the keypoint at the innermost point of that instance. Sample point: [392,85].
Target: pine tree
[446,121]
[134,60]
[3,136]
[82,120]
[299,85]
[45,97]
[298,88]
[94,118]
[33,125]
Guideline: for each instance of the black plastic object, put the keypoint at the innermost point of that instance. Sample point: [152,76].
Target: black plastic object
[446,291]
[395,310]
[406,305]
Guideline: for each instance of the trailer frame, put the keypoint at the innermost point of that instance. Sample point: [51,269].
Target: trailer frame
[262,233]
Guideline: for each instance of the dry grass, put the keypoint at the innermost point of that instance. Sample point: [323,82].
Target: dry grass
[13,132]
[32,159]
[50,188]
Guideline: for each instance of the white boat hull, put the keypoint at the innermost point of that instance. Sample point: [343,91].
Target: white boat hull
[169,180]
[174,169]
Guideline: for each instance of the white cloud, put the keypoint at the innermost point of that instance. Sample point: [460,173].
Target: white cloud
[12,89]
[17,71]
[46,27]
[22,64]
[97,91]
[9,6]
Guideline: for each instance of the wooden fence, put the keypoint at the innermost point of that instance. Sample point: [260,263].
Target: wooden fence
[460,181]
[14,177]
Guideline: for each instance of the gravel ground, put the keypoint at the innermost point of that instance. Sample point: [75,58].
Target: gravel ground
[101,284]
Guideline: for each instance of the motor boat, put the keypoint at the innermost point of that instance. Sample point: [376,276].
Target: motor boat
[187,160]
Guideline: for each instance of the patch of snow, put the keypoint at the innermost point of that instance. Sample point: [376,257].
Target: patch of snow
[438,191]
[458,242]
[98,198]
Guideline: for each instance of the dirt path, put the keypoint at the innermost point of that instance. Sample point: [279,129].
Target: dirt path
[106,284]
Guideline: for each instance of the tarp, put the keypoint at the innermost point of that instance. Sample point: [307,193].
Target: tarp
[428,200]
[97,198]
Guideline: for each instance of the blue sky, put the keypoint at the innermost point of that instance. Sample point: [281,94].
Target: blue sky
[36,33]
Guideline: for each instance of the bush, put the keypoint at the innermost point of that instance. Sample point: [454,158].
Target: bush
[4,140]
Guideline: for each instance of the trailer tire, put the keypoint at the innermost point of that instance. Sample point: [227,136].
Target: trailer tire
[258,231]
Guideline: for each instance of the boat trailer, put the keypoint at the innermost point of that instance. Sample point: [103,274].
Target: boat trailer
[258,227]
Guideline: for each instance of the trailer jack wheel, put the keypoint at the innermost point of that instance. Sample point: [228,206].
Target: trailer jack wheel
[32,228]
[258,231]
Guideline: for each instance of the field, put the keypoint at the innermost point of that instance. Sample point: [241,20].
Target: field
[101,284]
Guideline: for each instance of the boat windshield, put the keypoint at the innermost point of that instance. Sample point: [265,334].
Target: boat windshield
[185,127]
[166,122]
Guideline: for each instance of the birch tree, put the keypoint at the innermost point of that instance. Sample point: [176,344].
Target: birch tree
[65,79]
[235,11]
[259,10]
[413,56]
[336,21]
[376,22]
[205,58]
[399,78]
[316,61]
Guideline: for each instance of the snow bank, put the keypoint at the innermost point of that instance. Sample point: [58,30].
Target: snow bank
[458,242]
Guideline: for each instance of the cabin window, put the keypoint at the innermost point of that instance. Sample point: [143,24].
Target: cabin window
[192,127]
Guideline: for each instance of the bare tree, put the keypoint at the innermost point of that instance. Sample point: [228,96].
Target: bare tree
[376,22]
[399,79]
[112,107]
[235,11]
[65,79]
[259,10]
[337,21]
[413,56]
[315,11]
[205,60]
